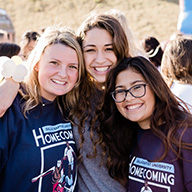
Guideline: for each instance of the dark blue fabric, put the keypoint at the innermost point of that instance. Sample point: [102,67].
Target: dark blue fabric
[36,145]
[171,174]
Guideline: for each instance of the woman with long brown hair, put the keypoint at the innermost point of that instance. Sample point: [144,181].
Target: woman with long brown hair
[146,131]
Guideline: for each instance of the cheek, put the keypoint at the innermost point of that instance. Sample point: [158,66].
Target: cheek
[113,59]
[88,63]
[43,75]
[74,76]
[119,108]
[88,59]
[41,79]
[150,98]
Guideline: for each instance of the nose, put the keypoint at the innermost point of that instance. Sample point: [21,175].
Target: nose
[100,57]
[129,96]
[62,71]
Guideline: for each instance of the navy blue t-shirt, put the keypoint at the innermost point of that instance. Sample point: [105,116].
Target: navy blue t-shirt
[169,175]
[38,152]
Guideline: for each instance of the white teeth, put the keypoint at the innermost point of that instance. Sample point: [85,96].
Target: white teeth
[58,82]
[101,69]
[133,106]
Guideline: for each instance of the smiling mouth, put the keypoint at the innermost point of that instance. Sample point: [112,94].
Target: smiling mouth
[102,69]
[132,107]
[59,82]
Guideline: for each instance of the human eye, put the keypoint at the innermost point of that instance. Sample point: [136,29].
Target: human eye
[119,94]
[119,91]
[109,49]
[89,50]
[73,66]
[138,86]
[54,62]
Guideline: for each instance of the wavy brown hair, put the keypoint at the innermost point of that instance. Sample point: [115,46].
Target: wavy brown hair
[90,95]
[118,133]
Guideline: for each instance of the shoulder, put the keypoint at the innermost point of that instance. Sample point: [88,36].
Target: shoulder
[185,133]
[16,108]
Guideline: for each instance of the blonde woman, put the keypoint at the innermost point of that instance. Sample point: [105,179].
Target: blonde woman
[35,133]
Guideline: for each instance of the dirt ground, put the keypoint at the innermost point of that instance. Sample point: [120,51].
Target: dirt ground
[146,17]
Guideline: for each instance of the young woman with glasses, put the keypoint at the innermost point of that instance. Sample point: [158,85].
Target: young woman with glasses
[146,132]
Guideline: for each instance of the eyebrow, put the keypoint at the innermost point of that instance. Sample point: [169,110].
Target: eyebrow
[89,45]
[92,45]
[132,83]
[52,58]
[60,61]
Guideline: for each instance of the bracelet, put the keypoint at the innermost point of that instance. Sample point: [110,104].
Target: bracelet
[13,68]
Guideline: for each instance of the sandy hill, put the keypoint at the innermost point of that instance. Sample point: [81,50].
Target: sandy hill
[146,17]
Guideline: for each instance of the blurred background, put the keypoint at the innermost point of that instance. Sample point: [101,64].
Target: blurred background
[146,17]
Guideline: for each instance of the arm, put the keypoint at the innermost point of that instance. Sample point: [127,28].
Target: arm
[8,91]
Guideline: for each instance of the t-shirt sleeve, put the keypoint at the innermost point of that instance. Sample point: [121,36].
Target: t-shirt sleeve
[187,160]
[8,130]
[4,145]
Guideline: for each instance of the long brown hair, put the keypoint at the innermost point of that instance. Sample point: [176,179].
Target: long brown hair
[90,95]
[118,133]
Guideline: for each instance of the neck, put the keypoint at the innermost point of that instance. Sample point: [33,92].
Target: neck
[100,86]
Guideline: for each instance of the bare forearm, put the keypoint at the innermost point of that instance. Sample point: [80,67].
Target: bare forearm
[8,92]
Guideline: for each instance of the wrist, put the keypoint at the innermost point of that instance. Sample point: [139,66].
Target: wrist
[10,80]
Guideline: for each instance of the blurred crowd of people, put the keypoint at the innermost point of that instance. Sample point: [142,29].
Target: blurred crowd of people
[26,45]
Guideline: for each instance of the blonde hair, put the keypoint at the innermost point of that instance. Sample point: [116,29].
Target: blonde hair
[52,35]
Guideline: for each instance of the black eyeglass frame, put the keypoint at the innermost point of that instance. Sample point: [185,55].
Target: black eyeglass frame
[129,90]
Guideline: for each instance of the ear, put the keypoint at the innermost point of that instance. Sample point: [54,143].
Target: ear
[36,68]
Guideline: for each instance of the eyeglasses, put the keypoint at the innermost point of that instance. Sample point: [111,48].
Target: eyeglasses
[136,91]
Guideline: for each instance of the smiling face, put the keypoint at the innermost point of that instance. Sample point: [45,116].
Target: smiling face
[135,109]
[57,71]
[98,53]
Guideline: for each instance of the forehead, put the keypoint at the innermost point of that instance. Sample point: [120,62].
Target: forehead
[61,52]
[96,35]
[31,43]
[129,77]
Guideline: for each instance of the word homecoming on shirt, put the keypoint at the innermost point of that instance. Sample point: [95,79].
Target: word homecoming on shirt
[152,171]
[52,134]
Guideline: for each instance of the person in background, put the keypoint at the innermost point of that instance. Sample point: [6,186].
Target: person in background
[146,132]
[177,67]
[3,36]
[153,50]
[9,49]
[28,42]
[36,134]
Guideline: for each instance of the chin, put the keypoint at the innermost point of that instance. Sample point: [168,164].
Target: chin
[101,80]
